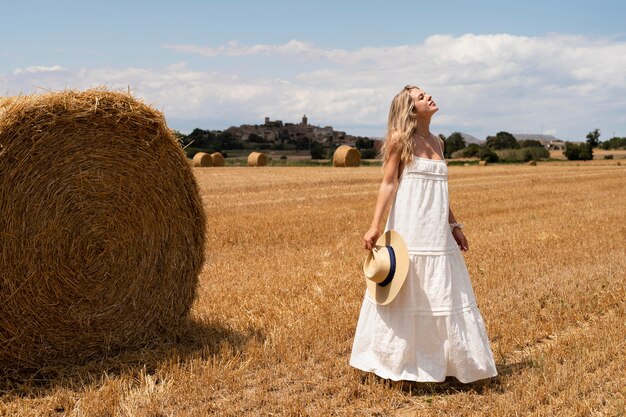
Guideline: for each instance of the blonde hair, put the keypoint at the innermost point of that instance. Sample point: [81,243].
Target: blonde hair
[401,125]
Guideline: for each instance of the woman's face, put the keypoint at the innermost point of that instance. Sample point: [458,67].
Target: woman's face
[424,104]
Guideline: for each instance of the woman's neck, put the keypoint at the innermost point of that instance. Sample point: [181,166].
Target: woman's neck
[423,126]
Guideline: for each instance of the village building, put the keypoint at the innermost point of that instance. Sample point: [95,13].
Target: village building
[556,145]
[275,131]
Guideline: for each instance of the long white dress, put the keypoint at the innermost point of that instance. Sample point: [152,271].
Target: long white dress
[433,328]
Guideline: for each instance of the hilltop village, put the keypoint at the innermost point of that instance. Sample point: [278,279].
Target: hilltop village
[274,135]
[275,131]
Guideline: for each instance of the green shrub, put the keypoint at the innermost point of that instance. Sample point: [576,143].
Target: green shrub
[453,143]
[530,143]
[614,143]
[502,140]
[488,155]
[530,153]
[472,150]
[578,152]
[317,151]
[368,153]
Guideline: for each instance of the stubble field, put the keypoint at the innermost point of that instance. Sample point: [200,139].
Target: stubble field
[280,293]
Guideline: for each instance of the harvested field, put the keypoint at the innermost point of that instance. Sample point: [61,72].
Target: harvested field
[281,290]
[597,154]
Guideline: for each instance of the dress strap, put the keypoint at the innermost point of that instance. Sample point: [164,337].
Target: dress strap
[439,140]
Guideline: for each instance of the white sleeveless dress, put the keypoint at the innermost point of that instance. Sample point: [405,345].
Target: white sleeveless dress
[433,328]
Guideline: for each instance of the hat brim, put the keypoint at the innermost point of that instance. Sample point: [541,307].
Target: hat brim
[384,295]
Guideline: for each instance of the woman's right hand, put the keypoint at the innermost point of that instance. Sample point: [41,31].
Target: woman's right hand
[370,238]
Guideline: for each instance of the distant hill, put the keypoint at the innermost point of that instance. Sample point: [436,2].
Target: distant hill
[471,139]
[534,136]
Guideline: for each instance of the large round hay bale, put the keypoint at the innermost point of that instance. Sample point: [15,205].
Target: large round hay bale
[102,229]
[482,163]
[346,156]
[532,163]
[257,159]
[202,159]
[218,159]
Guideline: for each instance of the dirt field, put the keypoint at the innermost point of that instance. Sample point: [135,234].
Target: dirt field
[280,294]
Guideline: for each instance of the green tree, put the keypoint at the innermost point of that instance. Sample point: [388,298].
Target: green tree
[593,138]
[486,154]
[228,141]
[614,143]
[454,142]
[204,139]
[593,141]
[502,140]
[577,152]
[302,142]
[369,153]
[530,143]
[472,150]
[253,137]
[317,151]
[283,135]
[364,143]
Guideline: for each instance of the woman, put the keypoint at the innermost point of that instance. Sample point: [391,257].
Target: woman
[432,328]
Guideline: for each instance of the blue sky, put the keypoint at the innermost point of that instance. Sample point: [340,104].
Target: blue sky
[525,67]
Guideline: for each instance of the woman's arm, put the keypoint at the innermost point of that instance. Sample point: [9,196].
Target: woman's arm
[457,233]
[451,218]
[386,192]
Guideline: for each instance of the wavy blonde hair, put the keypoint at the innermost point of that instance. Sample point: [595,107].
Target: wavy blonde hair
[401,125]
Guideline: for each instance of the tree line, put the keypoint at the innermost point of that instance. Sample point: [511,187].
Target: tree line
[512,150]
[508,147]
[584,151]
[502,147]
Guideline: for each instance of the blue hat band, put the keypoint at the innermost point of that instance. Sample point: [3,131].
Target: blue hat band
[392,267]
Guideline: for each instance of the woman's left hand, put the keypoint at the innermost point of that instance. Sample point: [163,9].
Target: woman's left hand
[460,238]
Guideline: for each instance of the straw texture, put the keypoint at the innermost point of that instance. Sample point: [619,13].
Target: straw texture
[346,156]
[102,229]
[202,159]
[218,159]
[257,159]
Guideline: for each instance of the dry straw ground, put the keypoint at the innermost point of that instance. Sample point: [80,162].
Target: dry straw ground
[281,290]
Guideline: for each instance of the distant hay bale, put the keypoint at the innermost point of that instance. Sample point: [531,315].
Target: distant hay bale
[257,159]
[346,156]
[102,229]
[532,163]
[202,159]
[218,159]
[482,163]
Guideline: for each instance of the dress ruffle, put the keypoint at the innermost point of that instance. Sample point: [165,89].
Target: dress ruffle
[414,347]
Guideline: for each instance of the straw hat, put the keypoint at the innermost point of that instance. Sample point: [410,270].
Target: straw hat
[386,267]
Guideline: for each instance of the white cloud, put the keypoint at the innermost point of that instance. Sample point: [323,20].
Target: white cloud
[234,49]
[38,69]
[482,83]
